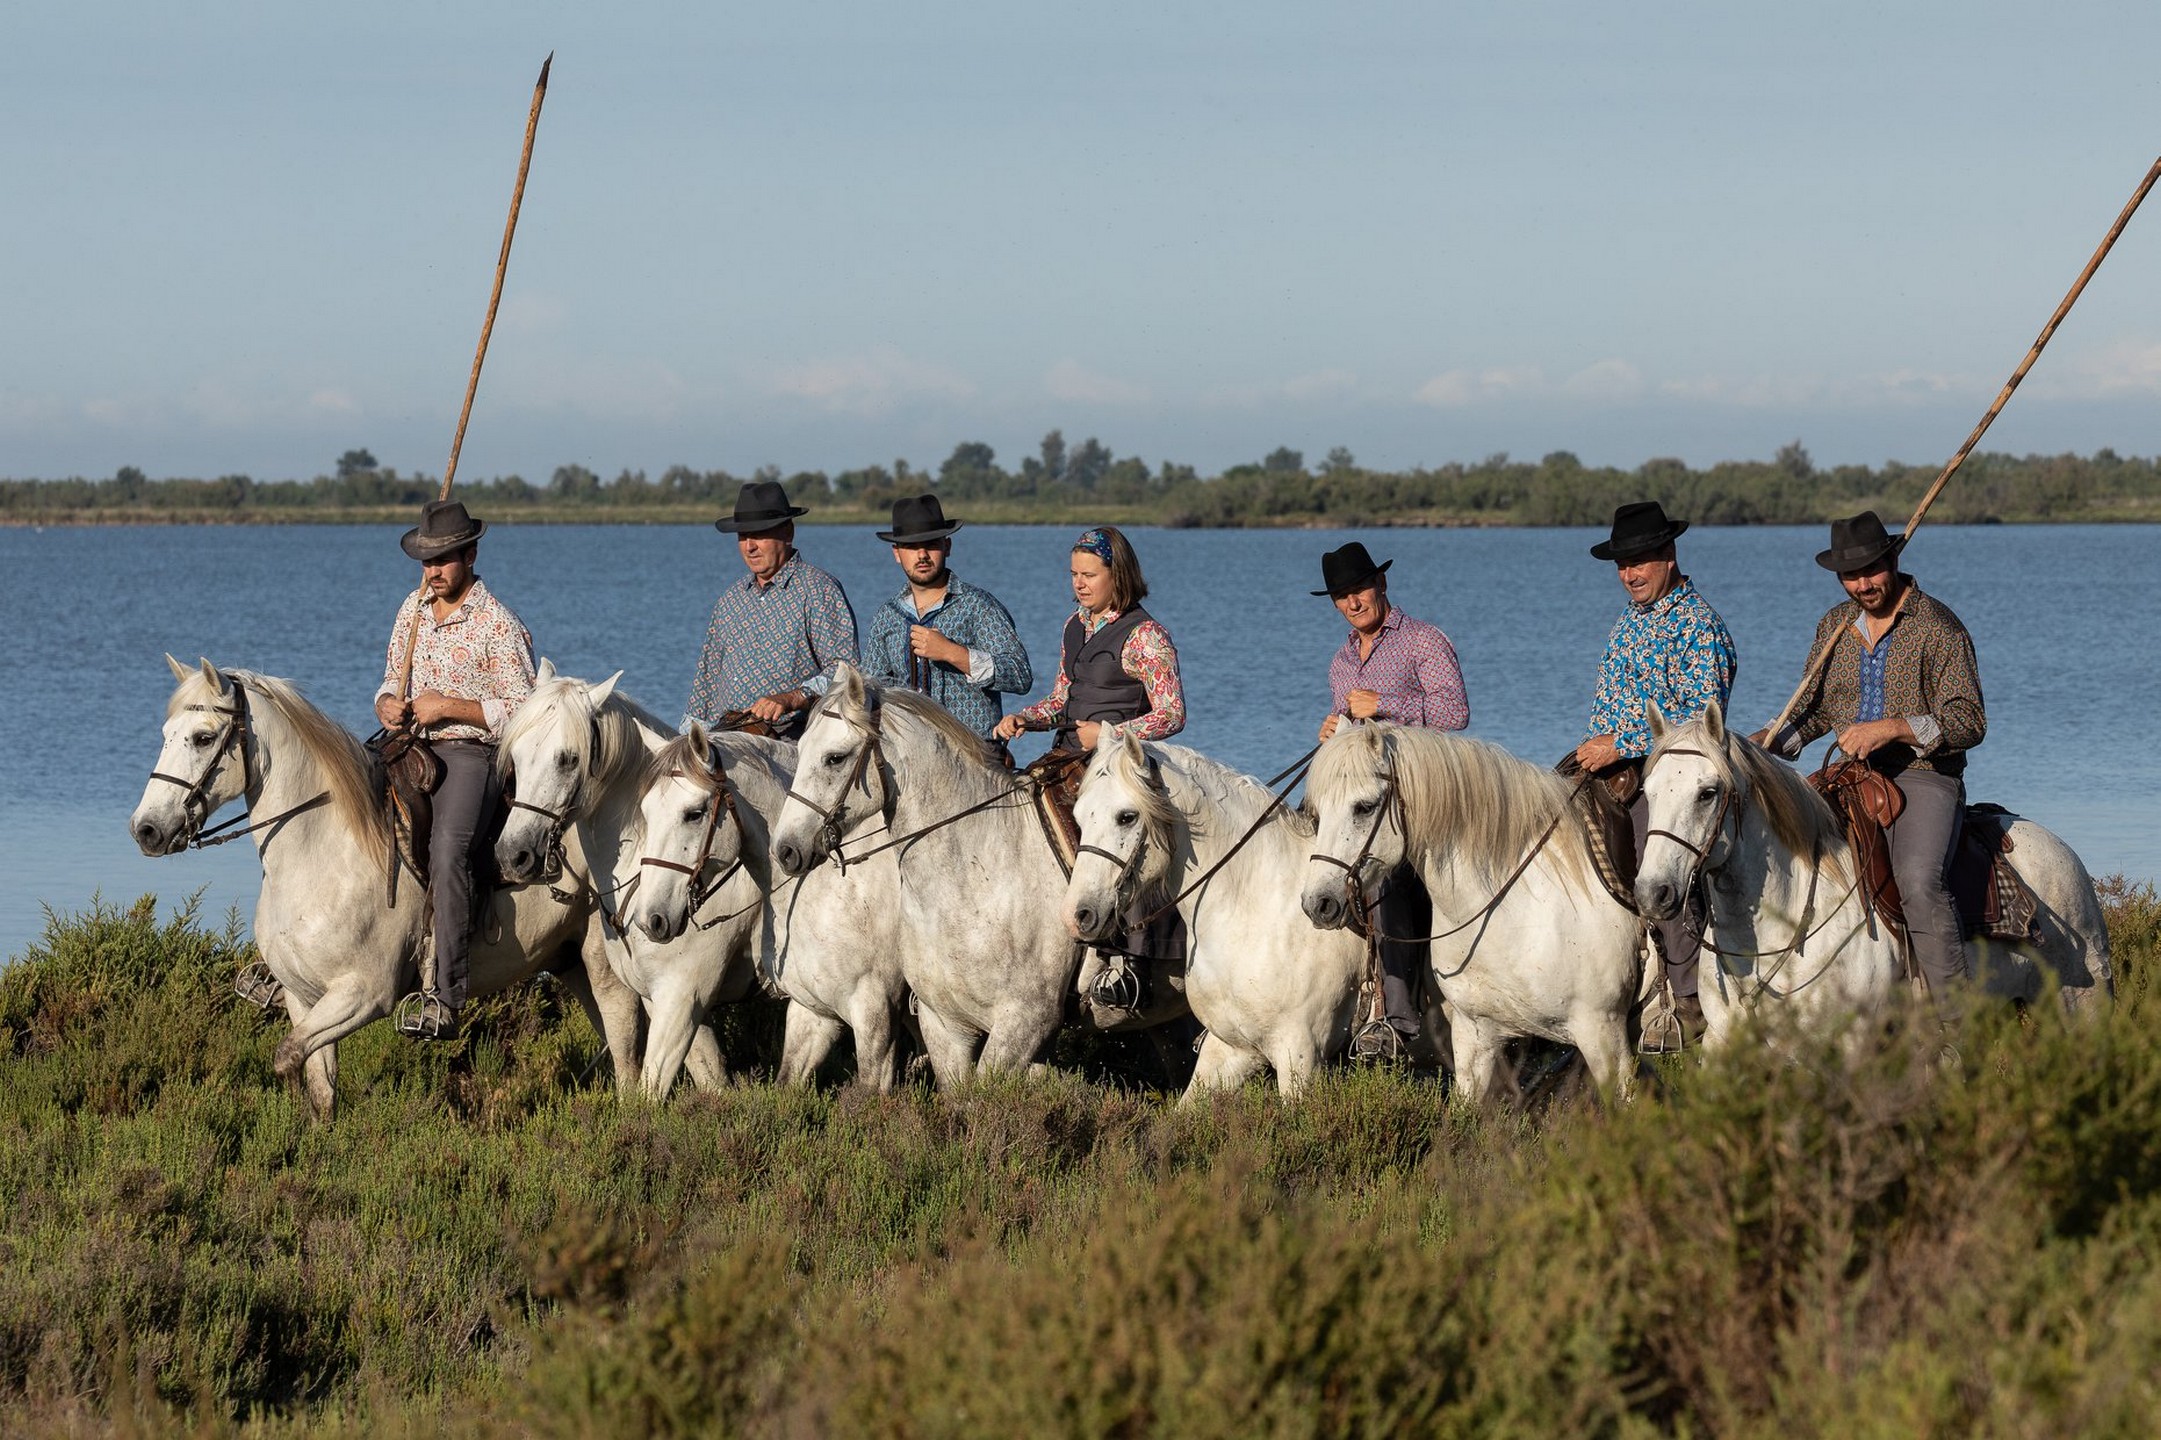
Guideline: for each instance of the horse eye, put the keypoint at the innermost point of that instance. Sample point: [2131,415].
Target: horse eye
[565,760]
[1707,794]
[1129,817]
[836,759]
[1365,807]
[694,814]
[202,742]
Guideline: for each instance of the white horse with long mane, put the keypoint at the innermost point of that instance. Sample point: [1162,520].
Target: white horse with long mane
[828,941]
[985,951]
[1787,922]
[1272,991]
[576,753]
[1530,942]
[341,953]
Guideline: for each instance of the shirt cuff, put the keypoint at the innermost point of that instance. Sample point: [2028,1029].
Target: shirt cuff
[979,667]
[1927,733]
[1787,744]
[816,684]
[497,714]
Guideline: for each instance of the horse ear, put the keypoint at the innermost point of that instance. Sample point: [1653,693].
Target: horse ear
[180,671]
[701,741]
[1714,722]
[1658,720]
[851,683]
[212,678]
[599,694]
[546,671]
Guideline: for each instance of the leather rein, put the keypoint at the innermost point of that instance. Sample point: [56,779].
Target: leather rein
[195,805]
[701,891]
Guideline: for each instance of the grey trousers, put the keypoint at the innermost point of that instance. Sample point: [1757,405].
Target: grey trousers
[1404,909]
[462,803]
[1677,942]
[1922,841]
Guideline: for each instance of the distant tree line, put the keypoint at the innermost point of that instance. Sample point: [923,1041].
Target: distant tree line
[1060,481]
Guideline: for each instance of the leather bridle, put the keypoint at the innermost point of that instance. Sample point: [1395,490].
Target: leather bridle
[723,805]
[195,805]
[835,819]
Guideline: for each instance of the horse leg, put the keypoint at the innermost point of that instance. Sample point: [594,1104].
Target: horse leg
[1602,1041]
[1015,1040]
[1477,1054]
[675,1015]
[344,1007]
[1221,1066]
[951,1050]
[1295,1059]
[321,1068]
[805,1042]
[870,1016]
[708,1071]
[610,1004]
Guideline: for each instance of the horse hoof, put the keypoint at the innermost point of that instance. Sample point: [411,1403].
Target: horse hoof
[288,1060]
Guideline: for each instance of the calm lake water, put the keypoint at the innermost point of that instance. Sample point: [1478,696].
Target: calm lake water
[2065,619]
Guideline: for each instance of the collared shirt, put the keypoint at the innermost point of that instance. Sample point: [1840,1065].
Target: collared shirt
[969,616]
[1674,652]
[1149,657]
[788,634]
[1412,668]
[1922,670]
[480,651]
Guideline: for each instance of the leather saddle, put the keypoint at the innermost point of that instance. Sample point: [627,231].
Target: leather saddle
[1057,776]
[1993,900]
[406,775]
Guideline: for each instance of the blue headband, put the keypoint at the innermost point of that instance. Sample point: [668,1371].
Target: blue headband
[1096,543]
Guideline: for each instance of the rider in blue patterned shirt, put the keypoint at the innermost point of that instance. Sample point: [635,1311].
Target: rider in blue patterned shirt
[943,637]
[777,634]
[1669,648]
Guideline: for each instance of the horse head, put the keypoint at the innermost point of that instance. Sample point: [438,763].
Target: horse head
[1694,791]
[689,836]
[840,784]
[1358,816]
[203,761]
[1128,835]
[551,750]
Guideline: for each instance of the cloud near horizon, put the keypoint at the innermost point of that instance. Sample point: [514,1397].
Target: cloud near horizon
[1074,383]
[870,385]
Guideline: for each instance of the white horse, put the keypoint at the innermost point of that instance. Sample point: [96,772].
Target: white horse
[576,754]
[322,924]
[828,941]
[1530,942]
[1787,920]
[1271,990]
[985,952]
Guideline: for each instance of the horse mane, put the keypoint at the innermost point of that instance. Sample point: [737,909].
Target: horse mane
[608,739]
[1798,817]
[1493,807]
[347,771]
[939,720]
[1238,795]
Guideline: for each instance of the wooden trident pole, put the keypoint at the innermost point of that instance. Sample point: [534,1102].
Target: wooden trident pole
[1823,657]
[480,355]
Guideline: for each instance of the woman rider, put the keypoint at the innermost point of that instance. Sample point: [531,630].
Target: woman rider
[1120,670]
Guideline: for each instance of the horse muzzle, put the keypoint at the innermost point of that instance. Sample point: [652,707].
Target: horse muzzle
[1326,908]
[1658,899]
[154,840]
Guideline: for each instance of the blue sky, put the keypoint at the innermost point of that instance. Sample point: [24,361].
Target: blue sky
[246,237]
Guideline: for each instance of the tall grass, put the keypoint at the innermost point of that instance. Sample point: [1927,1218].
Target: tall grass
[486,1244]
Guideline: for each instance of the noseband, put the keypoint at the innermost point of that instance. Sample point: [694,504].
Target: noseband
[835,818]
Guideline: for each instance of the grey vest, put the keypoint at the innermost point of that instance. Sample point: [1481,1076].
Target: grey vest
[1101,690]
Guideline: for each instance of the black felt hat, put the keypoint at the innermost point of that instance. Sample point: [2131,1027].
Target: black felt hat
[759,505]
[1638,529]
[1348,569]
[444,526]
[918,521]
[1858,543]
